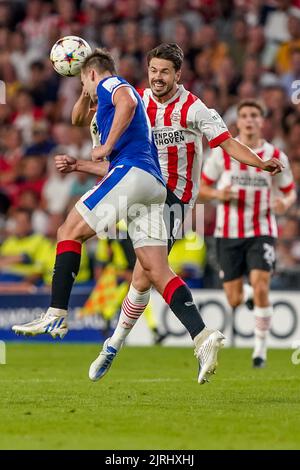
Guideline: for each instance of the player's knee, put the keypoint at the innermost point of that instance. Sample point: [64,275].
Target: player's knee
[261,291]
[68,232]
[235,298]
[141,282]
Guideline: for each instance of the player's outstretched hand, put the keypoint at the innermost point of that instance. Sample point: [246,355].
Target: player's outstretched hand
[100,153]
[273,166]
[65,164]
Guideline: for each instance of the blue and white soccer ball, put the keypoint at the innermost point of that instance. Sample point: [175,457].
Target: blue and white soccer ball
[68,54]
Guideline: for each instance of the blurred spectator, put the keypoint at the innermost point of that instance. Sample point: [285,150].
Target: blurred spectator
[19,260]
[283,59]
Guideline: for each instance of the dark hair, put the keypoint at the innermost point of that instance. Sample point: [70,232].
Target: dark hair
[252,103]
[101,60]
[171,52]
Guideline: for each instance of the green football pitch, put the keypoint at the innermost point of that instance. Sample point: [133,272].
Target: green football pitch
[149,400]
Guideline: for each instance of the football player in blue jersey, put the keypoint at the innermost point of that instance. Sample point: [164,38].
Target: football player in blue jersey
[133,189]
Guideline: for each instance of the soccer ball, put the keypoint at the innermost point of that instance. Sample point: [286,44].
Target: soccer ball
[68,54]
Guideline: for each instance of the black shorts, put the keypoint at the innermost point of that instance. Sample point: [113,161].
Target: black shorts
[174,214]
[239,256]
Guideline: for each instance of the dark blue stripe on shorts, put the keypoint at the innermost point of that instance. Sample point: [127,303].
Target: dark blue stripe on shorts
[105,186]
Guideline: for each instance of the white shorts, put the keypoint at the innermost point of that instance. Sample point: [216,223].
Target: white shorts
[131,194]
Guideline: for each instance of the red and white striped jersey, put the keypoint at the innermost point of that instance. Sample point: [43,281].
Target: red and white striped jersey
[178,126]
[249,215]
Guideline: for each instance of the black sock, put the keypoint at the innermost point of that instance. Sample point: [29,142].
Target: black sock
[180,300]
[68,254]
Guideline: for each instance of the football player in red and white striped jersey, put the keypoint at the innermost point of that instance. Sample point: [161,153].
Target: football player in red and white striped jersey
[246,227]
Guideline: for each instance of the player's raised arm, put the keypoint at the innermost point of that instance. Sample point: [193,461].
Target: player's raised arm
[125,104]
[244,154]
[67,164]
[83,111]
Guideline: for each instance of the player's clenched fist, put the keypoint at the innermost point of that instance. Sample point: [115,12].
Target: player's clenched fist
[273,165]
[65,164]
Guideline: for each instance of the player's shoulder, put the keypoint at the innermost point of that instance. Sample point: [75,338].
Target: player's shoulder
[109,84]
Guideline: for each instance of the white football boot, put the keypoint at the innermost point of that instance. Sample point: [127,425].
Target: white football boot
[53,322]
[207,354]
[102,364]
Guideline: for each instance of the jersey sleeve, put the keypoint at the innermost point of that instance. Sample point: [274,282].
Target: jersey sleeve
[108,88]
[208,122]
[213,167]
[284,181]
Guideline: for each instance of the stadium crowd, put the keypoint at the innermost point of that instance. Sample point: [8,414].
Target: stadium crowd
[234,49]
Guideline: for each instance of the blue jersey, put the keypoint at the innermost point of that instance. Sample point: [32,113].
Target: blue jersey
[136,146]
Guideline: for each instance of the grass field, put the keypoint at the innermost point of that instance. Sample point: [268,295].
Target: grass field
[149,400]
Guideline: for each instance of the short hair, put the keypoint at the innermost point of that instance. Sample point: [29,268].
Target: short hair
[252,103]
[171,52]
[101,60]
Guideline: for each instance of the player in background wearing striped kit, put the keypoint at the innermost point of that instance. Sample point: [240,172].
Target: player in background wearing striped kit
[246,227]
[179,119]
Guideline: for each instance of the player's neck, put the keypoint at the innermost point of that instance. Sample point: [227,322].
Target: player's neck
[102,76]
[252,141]
[168,96]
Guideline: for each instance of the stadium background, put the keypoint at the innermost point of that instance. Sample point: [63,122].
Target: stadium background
[233,50]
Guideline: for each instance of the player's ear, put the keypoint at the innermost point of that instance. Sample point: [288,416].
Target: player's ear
[177,75]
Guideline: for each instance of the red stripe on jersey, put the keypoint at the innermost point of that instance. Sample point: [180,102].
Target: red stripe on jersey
[184,110]
[268,214]
[227,162]
[241,213]
[256,213]
[276,153]
[260,154]
[141,92]
[168,112]
[226,219]
[243,166]
[190,151]
[207,180]
[219,139]
[288,188]
[172,167]
[151,111]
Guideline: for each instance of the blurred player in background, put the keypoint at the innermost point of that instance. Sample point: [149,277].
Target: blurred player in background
[246,227]
[179,120]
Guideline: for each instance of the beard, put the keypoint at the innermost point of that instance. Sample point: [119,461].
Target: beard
[164,90]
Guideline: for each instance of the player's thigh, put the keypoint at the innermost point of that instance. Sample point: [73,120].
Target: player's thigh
[146,226]
[261,254]
[75,228]
[231,258]
[174,214]
[107,202]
